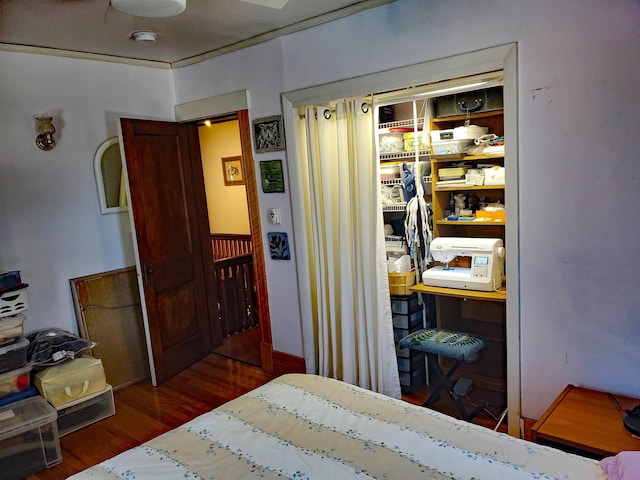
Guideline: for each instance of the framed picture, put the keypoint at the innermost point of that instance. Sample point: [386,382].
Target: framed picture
[272,178]
[268,134]
[232,170]
[278,246]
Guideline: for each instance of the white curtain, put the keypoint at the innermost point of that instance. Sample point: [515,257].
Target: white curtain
[344,292]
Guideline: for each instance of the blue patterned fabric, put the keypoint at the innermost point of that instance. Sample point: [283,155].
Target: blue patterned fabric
[461,346]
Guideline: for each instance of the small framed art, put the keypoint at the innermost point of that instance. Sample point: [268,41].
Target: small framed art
[278,245]
[268,134]
[232,170]
[272,178]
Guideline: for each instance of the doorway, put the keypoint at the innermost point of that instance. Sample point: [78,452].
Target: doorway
[231,239]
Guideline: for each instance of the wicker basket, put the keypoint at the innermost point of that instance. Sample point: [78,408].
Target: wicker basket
[400,283]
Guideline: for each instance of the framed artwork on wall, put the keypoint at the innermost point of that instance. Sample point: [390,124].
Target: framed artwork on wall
[268,134]
[271,175]
[279,246]
[232,170]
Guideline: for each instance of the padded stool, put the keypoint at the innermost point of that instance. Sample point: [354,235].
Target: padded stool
[462,347]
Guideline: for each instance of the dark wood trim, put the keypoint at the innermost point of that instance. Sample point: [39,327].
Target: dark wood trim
[264,316]
[287,363]
[527,433]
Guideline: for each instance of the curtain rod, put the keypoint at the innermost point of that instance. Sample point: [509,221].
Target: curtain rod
[328,111]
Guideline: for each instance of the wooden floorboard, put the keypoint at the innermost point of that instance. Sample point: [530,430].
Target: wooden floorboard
[144,411]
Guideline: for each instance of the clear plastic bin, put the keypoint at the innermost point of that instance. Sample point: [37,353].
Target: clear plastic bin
[29,440]
[14,355]
[85,411]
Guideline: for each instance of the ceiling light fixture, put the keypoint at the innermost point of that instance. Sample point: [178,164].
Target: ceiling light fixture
[150,8]
[144,36]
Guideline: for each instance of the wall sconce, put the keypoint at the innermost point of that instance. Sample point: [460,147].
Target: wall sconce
[45,130]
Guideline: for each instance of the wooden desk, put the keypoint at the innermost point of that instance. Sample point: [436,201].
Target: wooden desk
[478,313]
[494,296]
[587,420]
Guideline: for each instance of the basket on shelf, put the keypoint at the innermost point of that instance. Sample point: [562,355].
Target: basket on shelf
[401,282]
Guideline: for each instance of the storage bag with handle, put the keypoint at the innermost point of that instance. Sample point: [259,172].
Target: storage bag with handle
[68,381]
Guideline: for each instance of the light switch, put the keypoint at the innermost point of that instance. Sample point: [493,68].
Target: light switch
[274,215]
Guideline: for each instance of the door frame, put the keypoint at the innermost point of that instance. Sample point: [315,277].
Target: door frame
[237,104]
[501,57]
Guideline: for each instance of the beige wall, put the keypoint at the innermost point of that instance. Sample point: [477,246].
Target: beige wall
[227,204]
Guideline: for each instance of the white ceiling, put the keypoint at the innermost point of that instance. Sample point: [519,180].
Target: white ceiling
[207,28]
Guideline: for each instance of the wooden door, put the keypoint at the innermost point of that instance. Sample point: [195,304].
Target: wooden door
[173,253]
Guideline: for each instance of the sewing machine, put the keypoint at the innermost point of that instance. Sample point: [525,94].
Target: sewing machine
[485,272]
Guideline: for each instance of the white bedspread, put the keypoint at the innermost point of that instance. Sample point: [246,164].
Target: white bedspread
[309,427]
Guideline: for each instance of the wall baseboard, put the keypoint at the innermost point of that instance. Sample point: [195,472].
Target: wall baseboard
[287,363]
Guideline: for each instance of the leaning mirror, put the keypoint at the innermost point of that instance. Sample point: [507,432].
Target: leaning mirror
[110,177]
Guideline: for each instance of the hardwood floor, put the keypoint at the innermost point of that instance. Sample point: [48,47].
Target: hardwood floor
[242,346]
[144,411]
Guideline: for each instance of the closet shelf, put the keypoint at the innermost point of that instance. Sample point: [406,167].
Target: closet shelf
[409,123]
[387,157]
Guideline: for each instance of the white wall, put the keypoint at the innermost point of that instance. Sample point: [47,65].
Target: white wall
[578,121]
[52,229]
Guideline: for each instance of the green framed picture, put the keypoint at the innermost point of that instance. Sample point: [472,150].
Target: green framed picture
[272,177]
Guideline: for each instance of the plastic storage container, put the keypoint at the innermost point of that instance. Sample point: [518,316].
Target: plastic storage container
[29,392]
[413,140]
[15,381]
[11,328]
[14,301]
[85,411]
[14,355]
[10,280]
[29,439]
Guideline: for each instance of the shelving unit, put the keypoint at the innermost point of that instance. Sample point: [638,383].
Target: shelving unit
[479,313]
[409,315]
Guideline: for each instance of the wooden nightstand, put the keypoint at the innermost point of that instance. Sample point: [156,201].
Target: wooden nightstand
[586,421]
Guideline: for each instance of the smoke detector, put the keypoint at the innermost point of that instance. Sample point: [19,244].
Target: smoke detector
[145,37]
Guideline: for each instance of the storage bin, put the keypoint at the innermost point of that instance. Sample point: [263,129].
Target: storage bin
[413,140]
[14,301]
[414,362]
[401,282]
[494,176]
[469,133]
[416,324]
[389,172]
[413,380]
[395,243]
[393,142]
[29,439]
[10,280]
[11,328]
[71,380]
[15,381]
[492,215]
[29,392]
[14,355]
[85,411]
[404,304]
[450,147]
[403,320]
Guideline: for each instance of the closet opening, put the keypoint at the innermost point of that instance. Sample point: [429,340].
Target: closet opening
[425,92]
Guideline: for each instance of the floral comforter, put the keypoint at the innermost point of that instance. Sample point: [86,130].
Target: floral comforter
[309,427]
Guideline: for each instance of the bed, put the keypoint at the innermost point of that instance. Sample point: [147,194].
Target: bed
[310,427]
